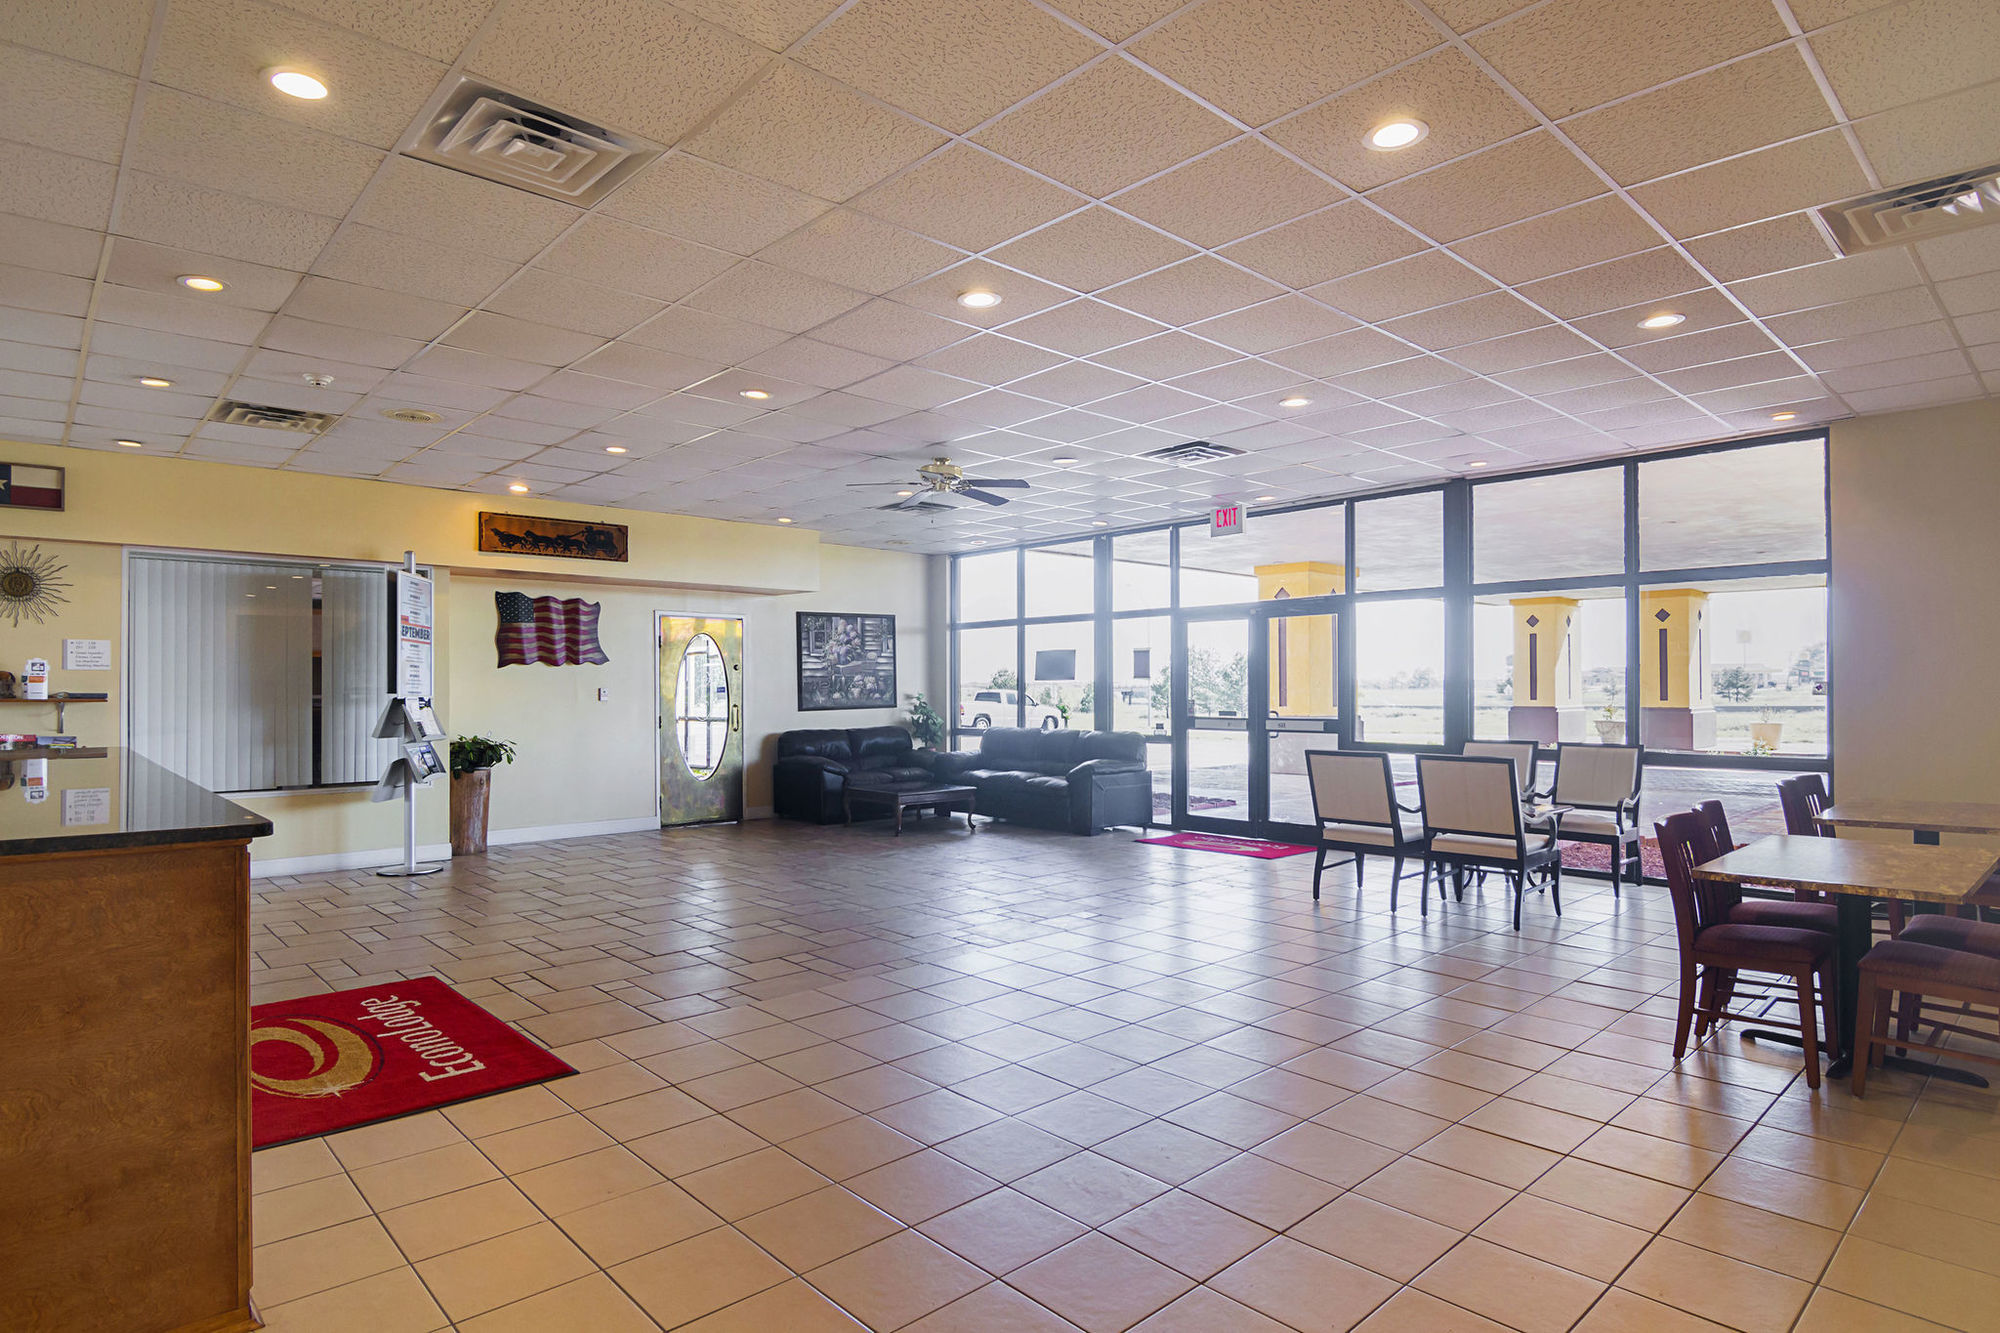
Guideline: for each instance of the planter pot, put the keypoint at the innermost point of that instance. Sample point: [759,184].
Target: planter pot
[1610,729]
[1766,733]
[469,794]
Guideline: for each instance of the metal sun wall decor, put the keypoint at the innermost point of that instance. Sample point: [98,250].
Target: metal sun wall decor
[31,584]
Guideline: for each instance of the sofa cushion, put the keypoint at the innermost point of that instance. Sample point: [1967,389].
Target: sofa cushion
[1110,745]
[1007,747]
[819,744]
[879,742]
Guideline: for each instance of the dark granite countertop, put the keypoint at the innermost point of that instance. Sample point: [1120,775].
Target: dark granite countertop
[109,798]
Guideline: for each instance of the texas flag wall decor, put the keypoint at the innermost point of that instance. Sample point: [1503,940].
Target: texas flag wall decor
[24,487]
[553,631]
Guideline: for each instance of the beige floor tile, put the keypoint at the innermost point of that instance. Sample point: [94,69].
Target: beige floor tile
[1379,1238]
[649,1113]
[507,1110]
[698,1276]
[1100,1285]
[1263,1191]
[1166,1151]
[695,1145]
[793,1307]
[1586,1101]
[1413,1311]
[1006,1150]
[1855,1167]
[1929,1231]
[424,1175]
[609,1084]
[994,1308]
[1500,1283]
[751,1183]
[292,1164]
[916,1188]
[896,1281]
[543,1142]
[1807,1198]
[816,1228]
[1835,1312]
[1621,1311]
[1002,1230]
[505,1269]
[390,1302]
[1326,1154]
[412,1134]
[1596,1247]
[1188,1234]
[1637,1201]
[1206,1311]
[581,1182]
[1682,1124]
[637,1223]
[1928,1288]
[1488,1156]
[1377,1121]
[308,1206]
[331,1257]
[1781,1244]
[1936,1187]
[1539,1126]
[1715,1287]
[1090,1188]
[452,1221]
[1643,1155]
[591,1302]
[1437,1193]
[1303,1287]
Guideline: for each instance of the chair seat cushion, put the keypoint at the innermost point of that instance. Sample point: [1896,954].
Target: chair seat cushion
[1899,962]
[1799,916]
[1777,945]
[1950,932]
[1595,824]
[1374,835]
[1466,844]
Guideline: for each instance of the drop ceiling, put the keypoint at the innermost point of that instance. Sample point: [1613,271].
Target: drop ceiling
[1173,200]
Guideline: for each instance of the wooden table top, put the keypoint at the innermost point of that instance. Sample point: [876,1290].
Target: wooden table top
[1923,816]
[1843,865]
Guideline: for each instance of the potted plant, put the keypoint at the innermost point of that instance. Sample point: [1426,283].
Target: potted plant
[1764,733]
[925,724]
[472,760]
[1610,727]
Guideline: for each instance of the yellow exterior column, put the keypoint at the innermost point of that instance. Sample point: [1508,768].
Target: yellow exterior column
[1303,665]
[1547,680]
[1677,708]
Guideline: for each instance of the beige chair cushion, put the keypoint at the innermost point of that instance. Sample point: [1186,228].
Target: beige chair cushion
[1596,774]
[1463,844]
[1373,835]
[1521,752]
[1349,787]
[1595,823]
[1475,795]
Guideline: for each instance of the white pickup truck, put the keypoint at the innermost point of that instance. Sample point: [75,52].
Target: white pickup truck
[990,708]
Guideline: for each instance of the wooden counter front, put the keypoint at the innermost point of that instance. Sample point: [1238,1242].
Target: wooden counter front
[124,1090]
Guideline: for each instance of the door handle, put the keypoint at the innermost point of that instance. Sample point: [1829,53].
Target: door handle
[736,717]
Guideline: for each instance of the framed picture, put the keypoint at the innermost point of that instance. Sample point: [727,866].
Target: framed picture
[846,661]
[520,534]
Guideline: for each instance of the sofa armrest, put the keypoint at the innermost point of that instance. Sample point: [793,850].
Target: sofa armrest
[949,764]
[798,762]
[1109,791]
[923,759]
[1090,769]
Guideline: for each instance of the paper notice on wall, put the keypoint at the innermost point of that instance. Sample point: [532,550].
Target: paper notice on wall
[410,651]
[86,654]
[34,779]
[86,805]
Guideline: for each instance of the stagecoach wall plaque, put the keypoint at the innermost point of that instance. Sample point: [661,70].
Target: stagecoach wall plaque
[519,534]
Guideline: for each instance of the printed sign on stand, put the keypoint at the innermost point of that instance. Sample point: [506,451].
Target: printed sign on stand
[411,647]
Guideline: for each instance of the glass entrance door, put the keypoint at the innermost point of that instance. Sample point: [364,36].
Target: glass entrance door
[1262,686]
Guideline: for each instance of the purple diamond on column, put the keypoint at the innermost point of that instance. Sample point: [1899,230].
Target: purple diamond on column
[1661,615]
[1534,621]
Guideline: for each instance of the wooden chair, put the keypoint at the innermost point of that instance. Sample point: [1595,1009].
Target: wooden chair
[1601,785]
[1802,798]
[1354,798]
[1811,915]
[1714,949]
[1473,820]
[1923,972]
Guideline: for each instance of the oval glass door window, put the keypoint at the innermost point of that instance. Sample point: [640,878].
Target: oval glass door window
[701,706]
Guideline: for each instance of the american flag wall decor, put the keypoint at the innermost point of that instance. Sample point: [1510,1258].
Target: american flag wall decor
[553,631]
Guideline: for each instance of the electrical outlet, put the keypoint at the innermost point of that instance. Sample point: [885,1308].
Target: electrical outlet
[603,695]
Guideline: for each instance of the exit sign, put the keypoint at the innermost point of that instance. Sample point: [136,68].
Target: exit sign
[1225,520]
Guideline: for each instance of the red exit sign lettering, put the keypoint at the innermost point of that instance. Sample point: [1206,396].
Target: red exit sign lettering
[1225,520]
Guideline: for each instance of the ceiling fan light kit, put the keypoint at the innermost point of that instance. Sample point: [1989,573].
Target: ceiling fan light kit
[941,478]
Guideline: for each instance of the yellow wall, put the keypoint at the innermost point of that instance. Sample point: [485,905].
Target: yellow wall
[1915,605]
[582,762]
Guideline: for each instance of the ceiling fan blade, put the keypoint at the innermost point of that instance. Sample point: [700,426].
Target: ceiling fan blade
[983,498]
[911,501]
[1006,483]
[879,483]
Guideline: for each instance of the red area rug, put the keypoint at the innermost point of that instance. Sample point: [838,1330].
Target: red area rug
[1210,842]
[323,1063]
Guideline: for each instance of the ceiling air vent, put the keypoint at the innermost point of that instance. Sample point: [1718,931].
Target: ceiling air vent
[1194,451]
[1912,213]
[499,136]
[232,413]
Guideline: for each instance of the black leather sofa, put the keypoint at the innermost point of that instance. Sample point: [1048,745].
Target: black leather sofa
[1082,781]
[812,768]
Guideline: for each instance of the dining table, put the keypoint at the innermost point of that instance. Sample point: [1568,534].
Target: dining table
[1924,819]
[1856,873]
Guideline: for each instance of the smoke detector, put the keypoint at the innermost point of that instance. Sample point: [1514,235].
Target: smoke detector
[1194,451]
[1912,213]
[485,131]
[317,379]
[229,412]
[415,416]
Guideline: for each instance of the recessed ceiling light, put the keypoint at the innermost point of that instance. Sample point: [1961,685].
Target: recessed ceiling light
[979,299]
[196,282]
[906,494]
[1294,401]
[129,444]
[614,448]
[1784,416]
[1393,134]
[784,520]
[415,416]
[518,487]
[1264,499]
[1477,462]
[1062,462]
[1099,523]
[1664,320]
[296,83]
[757,394]
[975,543]
[155,382]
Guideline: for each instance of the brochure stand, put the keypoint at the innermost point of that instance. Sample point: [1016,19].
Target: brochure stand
[407,717]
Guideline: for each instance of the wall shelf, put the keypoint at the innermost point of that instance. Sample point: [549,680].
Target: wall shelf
[62,699]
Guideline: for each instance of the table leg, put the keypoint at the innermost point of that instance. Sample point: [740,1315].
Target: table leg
[846,806]
[899,819]
[1927,837]
[1854,934]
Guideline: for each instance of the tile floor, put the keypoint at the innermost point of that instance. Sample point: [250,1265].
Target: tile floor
[1024,1081]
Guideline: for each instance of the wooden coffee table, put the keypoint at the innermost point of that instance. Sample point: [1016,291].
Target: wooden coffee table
[898,797]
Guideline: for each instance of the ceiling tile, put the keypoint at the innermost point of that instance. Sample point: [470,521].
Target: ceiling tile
[1476,320]
[1355,350]
[436,28]
[1549,377]
[1933,138]
[604,60]
[1572,54]
[1020,295]
[1587,233]
[1925,394]
[817,363]
[455,363]
[1464,109]
[53,247]
[1868,314]
[1520,178]
[56,188]
[772,24]
[1726,111]
[858,251]
[1970,296]
[998,408]
[1964,253]
[699,201]
[1331,243]
[1908,370]
[804,130]
[65,107]
[1193,289]
[730,386]
[1404,287]
[1761,247]
[171,213]
[1247,378]
[703,333]
[1649,276]
[1696,349]
[1804,173]
[1706,308]
[353,306]
[1837,280]
[1258,59]
[219,49]
[1285,322]
[991,358]
[1117,19]
[1082,328]
[571,303]
[206,143]
[411,264]
[1111,125]
[153,268]
[1091,249]
[891,329]
[1242,188]
[913,386]
[1076,383]
[111,34]
[576,387]
[449,207]
[503,335]
[967,198]
[777,297]
[1418,372]
[1164,355]
[955,63]
[1753,369]
[1906,53]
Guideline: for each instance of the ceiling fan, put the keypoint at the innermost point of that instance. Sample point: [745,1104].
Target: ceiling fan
[940,478]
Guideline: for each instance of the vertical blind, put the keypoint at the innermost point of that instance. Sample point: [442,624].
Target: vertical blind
[258,675]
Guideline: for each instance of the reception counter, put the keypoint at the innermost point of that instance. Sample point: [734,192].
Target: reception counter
[124,1076]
